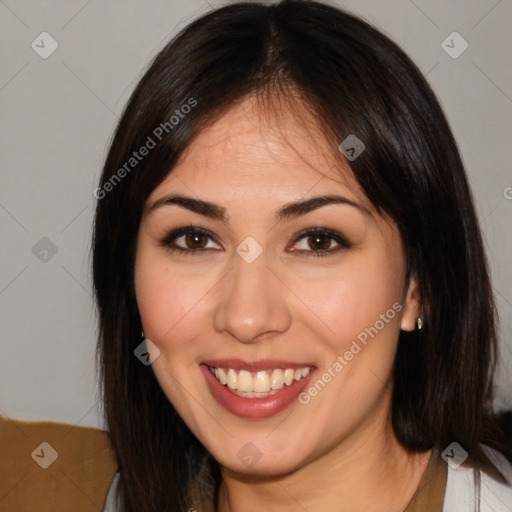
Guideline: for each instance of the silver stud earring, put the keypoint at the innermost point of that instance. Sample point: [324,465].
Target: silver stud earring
[419,323]
[142,334]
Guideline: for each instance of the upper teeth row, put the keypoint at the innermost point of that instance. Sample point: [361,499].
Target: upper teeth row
[262,382]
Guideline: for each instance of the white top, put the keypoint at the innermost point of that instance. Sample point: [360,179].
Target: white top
[461,493]
[109,504]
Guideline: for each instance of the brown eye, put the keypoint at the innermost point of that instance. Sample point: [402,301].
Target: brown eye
[188,240]
[195,240]
[319,242]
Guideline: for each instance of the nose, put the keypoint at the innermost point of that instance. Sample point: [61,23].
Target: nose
[253,301]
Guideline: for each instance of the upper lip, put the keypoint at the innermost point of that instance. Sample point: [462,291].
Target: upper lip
[259,365]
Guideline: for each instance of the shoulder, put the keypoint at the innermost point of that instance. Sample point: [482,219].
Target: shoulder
[468,489]
[36,482]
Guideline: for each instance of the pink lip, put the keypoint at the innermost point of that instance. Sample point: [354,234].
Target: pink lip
[254,407]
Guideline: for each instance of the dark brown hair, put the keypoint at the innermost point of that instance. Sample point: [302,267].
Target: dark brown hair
[355,81]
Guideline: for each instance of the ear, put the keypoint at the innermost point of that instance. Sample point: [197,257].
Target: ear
[411,306]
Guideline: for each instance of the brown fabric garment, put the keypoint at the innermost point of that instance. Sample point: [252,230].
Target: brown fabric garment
[78,480]
[430,493]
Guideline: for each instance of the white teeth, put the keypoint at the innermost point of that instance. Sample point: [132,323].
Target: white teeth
[277,379]
[289,375]
[231,379]
[221,375]
[263,383]
[244,382]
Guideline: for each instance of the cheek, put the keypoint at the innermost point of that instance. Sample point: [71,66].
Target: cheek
[360,312]
[352,298]
[169,303]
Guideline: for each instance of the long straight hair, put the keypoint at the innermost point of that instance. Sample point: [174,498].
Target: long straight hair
[354,80]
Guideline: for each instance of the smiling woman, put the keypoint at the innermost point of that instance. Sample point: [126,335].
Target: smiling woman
[301,255]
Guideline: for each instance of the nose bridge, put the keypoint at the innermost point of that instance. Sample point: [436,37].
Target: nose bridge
[252,300]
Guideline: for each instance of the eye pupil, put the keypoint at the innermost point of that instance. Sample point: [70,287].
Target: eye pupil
[317,244]
[195,238]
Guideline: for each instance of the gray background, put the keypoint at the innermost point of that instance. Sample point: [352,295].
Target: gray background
[57,117]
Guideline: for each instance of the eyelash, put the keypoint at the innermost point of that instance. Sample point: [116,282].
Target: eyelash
[168,240]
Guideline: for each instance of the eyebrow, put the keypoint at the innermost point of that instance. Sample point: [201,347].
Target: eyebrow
[288,211]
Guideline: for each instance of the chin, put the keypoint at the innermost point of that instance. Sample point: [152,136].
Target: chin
[259,458]
[273,465]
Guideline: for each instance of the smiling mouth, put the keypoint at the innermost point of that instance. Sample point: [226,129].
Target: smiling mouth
[258,384]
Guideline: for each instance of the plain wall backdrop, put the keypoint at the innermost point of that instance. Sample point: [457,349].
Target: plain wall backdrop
[59,111]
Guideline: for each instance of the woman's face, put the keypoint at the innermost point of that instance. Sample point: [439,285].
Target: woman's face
[251,296]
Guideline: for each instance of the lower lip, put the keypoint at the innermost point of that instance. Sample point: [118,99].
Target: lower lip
[254,407]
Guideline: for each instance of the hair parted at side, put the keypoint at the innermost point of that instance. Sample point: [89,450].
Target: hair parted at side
[355,81]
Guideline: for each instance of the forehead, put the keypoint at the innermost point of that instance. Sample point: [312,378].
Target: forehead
[258,148]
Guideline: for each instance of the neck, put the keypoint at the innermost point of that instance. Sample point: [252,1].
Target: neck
[368,471]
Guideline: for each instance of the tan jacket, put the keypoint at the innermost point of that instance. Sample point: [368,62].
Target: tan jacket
[53,467]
